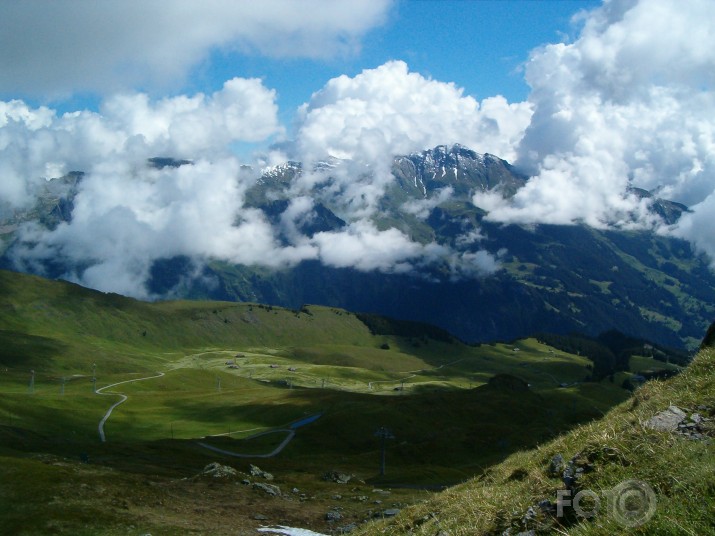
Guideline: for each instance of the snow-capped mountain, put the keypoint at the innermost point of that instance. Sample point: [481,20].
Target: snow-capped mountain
[456,167]
[478,279]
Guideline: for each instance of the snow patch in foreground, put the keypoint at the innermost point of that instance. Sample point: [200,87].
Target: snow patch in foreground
[290,531]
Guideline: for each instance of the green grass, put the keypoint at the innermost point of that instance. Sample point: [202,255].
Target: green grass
[449,424]
[639,363]
[681,472]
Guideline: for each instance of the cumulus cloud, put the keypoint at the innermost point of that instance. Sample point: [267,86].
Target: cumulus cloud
[63,46]
[470,264]
[365,248]
[600,119]
[366,120]
[242,110]
[629,103]
[35,143]
[123,221]
[421,208]
[126,213]
[697,227]
[392,111]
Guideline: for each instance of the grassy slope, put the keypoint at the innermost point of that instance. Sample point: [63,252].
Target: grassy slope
[448,424]
[680,471]
[77,326]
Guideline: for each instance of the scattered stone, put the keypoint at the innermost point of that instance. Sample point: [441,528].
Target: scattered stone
[681,421]
[216,470]
[260,517]
[668,420]
[569,477]
[529,516]
[270,489]
[337,497]
[390,512]
[556,465]
[333,515]
[254,470]
[347,528]
[337,476]
[547,507]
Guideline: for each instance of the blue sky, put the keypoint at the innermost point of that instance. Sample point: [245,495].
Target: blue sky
[480,45]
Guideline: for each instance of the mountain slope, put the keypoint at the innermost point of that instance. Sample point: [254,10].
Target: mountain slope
[644,479]
[552,278]
[487,281]
[231,370]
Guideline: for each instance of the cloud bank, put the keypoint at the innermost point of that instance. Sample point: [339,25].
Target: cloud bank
[58,47]
[128,214]
[387,111]
[630,102]
[36,143]
[391,111]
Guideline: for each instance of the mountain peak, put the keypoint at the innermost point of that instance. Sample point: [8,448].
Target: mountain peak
[669,211]
[458,167]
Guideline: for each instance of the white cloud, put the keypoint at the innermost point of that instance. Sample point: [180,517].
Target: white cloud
[365,248]
[126,214]
[630,102]
[125,219]
[36,143]
[62,46]
[188,126]
[472,236]
[390,111]
[697,227]
[474,264]
[421,208]
[20,143]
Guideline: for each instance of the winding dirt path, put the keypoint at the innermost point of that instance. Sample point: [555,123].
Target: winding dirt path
[289,431]
[123,398]
[290,434]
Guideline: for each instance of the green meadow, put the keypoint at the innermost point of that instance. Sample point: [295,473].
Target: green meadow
[232,371]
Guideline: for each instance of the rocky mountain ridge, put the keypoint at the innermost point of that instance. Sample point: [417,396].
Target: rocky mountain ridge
[545,278]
